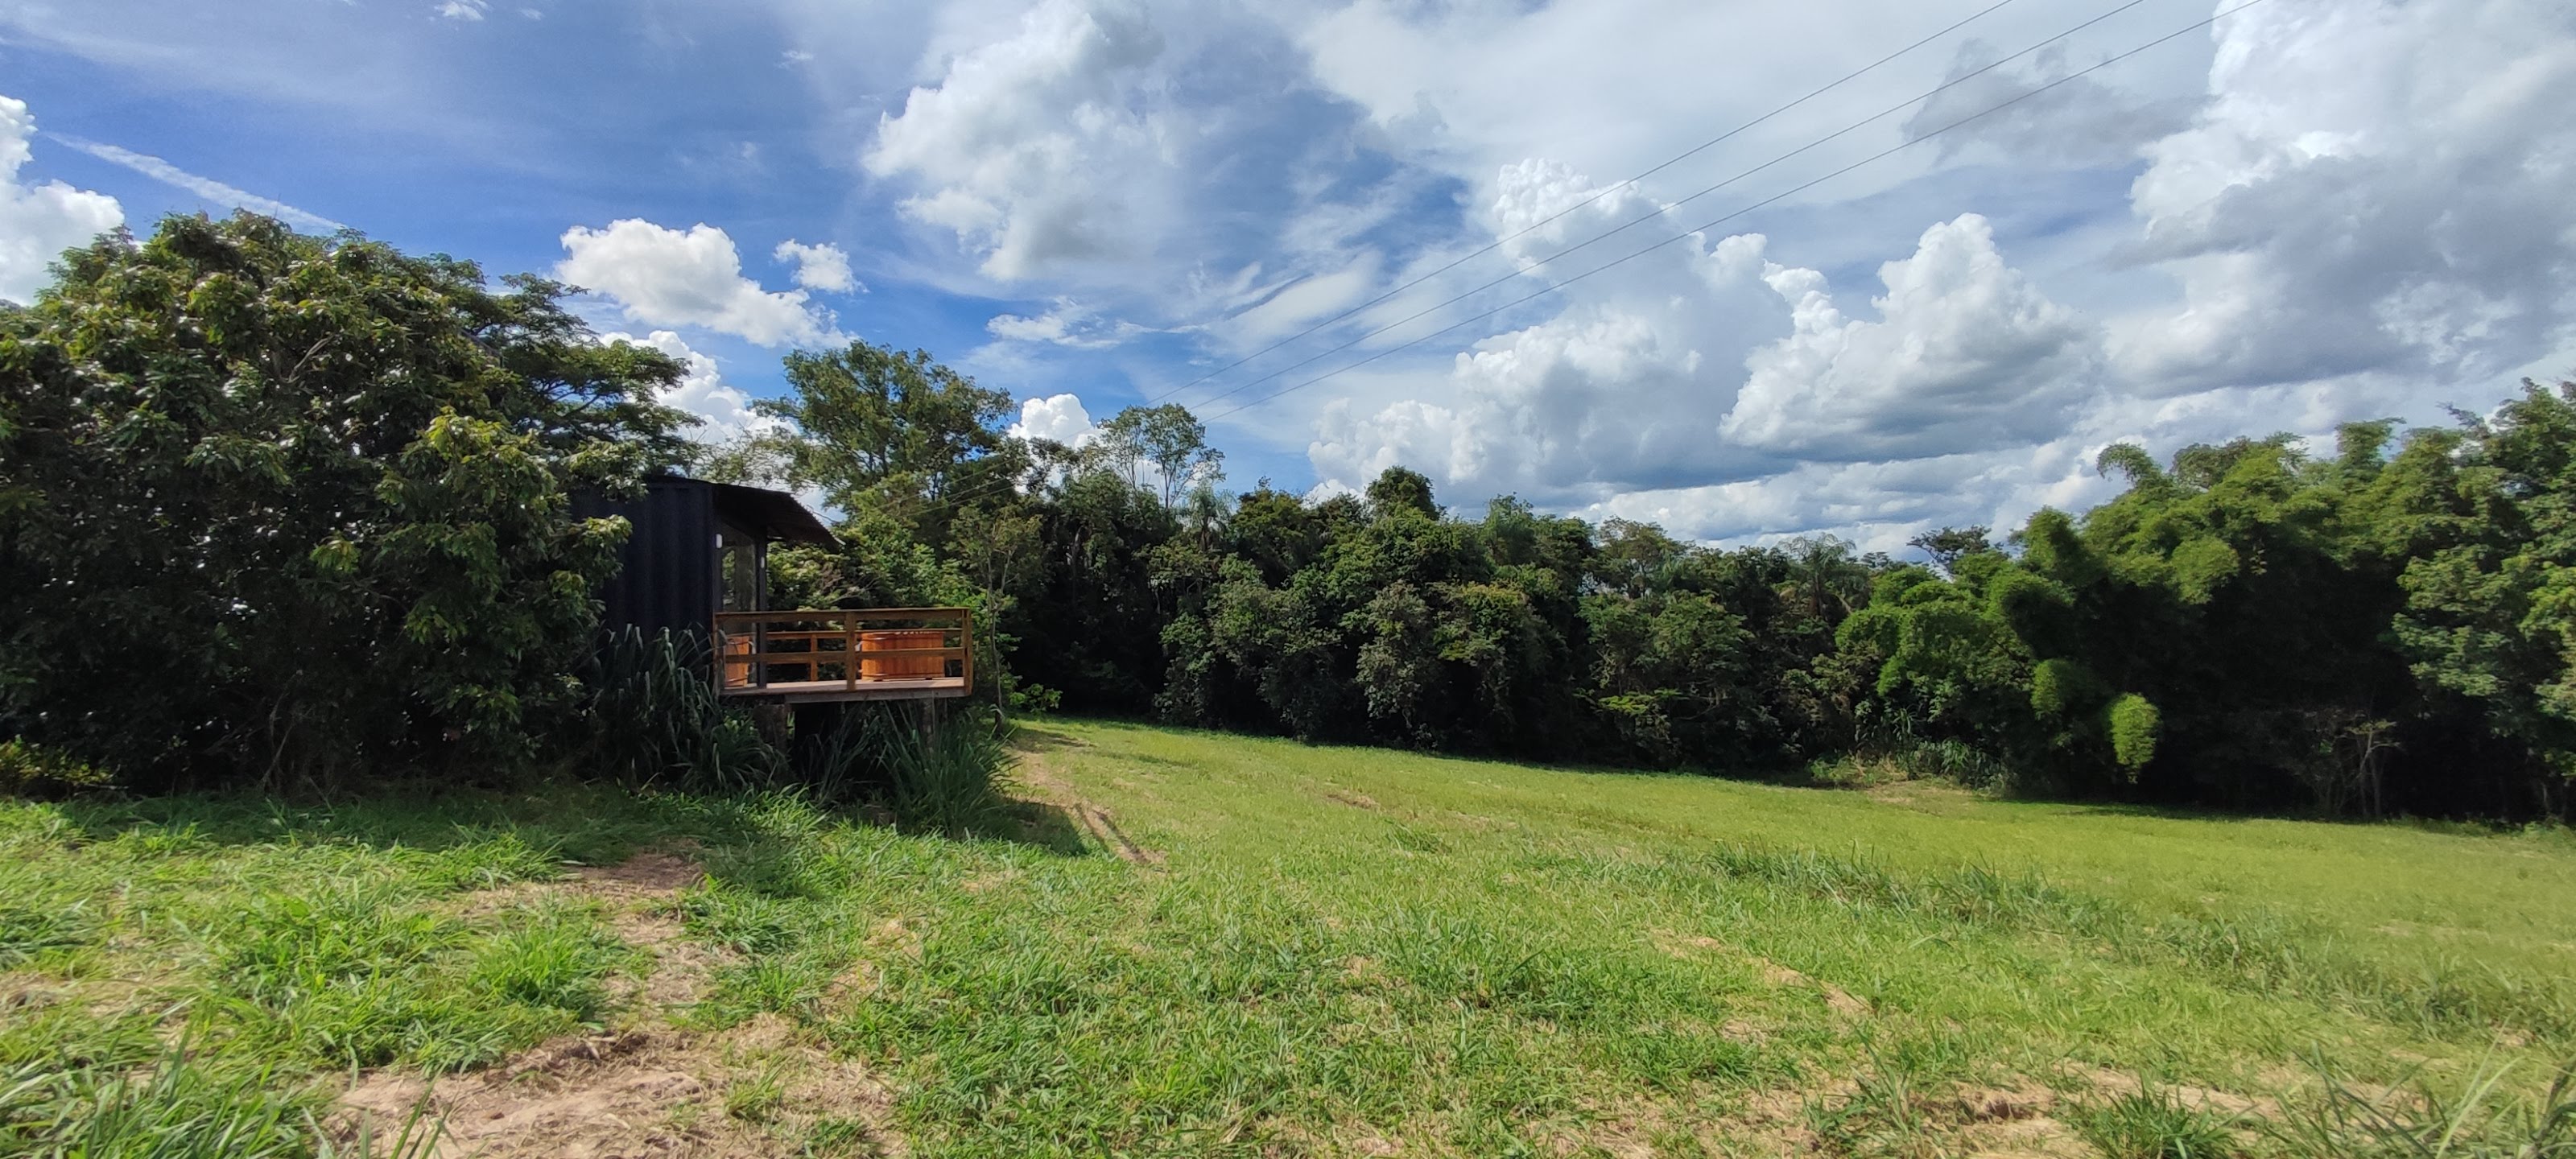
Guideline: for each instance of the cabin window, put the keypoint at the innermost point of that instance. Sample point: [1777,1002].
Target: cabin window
[739,561]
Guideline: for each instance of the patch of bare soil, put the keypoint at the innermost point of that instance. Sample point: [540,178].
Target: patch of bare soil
[637,1094]
[2005,1122]
[2014,1122]
[654,872]
[653,1090]
[1772,1122]
[2108,1083]
[1047,785]
[1839,1000]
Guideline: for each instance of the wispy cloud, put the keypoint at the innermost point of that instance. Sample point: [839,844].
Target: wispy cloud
[205,187]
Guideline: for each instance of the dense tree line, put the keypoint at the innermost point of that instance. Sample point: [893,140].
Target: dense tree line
[2386,628]
[279,505]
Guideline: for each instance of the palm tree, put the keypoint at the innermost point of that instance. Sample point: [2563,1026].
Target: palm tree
[1826,576]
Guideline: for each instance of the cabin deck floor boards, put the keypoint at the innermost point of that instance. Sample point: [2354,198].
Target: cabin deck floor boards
[870,688]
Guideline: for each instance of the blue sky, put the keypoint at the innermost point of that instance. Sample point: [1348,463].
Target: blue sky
[2307,212]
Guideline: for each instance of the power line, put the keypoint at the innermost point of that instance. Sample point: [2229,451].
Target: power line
[1606,191]
[1713,223]
[1664,209]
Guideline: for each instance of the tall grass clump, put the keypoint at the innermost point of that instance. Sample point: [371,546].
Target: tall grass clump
[179,1108]
[1893,739]
[52,925]
[656,720]
[183,1106]
[2481,1120]
[553,963]
[2151,1124]
[360,974]
[943,777]
[949,779]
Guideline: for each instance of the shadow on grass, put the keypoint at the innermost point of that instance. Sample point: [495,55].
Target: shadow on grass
[1037,737]
[1045,826]
[588,823]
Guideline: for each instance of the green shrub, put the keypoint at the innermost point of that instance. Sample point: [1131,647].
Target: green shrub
[30,770]
[2134,725]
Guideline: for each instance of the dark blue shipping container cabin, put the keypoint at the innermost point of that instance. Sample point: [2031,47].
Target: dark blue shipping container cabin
[696,561]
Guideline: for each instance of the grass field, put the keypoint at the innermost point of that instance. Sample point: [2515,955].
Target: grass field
[1196,944]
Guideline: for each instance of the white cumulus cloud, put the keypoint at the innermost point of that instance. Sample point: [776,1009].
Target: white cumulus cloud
[1059,417]
[1966,355]
[823,267]
[724,412]
[1038,152]
[39,222]
[667,277]
[1623,387]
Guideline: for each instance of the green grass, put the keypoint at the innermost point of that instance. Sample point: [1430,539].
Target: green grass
[1201,944]
[2154,1125]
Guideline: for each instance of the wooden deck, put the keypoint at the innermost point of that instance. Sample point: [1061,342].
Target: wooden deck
[820,655]
[824,691]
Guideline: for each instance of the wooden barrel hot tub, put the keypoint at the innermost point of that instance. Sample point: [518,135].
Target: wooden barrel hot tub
[875,667]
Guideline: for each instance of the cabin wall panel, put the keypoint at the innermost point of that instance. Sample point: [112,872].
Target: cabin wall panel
[667,572]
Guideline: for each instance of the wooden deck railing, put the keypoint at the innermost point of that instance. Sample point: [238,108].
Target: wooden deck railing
[813,651]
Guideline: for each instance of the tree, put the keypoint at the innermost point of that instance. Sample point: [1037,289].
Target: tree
[1397,489]
[2490,609]
[289,507]
[1169,439]
[1831,579]
[2210,631]
[1950,544]
[879,428]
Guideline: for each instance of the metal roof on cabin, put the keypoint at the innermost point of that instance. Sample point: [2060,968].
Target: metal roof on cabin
[770,514]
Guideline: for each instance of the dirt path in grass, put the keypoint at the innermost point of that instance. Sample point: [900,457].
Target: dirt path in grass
[654,1088]
[1051,788]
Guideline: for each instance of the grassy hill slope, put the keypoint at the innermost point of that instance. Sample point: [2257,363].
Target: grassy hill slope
[1202,944]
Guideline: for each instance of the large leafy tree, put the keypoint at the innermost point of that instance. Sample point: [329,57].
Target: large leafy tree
[288,506]
[2490,615]
[893,432]
[1167,438]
